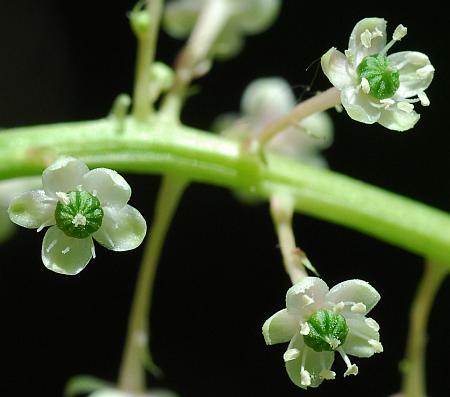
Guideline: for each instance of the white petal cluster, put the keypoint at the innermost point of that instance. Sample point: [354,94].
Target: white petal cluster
[267,99]
[123,227]
[353,299]
[415,75]
[245,17]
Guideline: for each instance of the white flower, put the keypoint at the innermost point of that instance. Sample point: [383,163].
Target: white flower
[376,87]
[318,321]
[267,99]
[246,17]
[79,205]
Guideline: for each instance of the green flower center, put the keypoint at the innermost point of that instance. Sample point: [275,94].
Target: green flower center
[78,214]
[383,79]
[327,331]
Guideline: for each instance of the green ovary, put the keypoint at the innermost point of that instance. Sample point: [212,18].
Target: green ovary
[383,79]
[327,331]
[81,216]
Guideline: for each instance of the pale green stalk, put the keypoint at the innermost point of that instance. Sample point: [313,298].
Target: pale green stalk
[414,378]
[146,48]
[204,157]
[136,354]
[210,23]
[282,211]
[318,103]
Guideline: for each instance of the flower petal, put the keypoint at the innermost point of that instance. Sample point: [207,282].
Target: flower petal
[306,296]
[314,363]
[280,328]
[415,70]
[398,120]
[377,41]
[109,186]
[122,229]
[64,175]
[359,106]
[32,209]
[354,291]
[336,67]
[362,337]
[64,254]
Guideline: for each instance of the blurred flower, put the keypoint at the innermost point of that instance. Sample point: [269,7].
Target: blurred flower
[79,205]
[8,189]
[318,321]
[374,86]
[267,99]
[246,17]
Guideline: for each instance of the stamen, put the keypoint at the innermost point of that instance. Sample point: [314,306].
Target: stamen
[291,354]
[51,245]
[423,99]
[359,308]
[399,32]
[377,33]
[304,328]
[65,250]
[352,369]
[333,342]
[349,55]
[366,38]
[305,377]
[63,197]
[339,307]
[387,102]
[376,345]
[405,106]
[365,85]
[327,374]
[307,300]
[371,323]
[79,220]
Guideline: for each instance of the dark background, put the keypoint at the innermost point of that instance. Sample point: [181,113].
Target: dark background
[221,274]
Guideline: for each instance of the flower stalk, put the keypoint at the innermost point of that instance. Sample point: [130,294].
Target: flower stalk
[323,101]
[136,355]
[282,211]
[414,379]
[211,20]
[146,48]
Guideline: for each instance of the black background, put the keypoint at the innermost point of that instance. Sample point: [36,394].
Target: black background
[220,275]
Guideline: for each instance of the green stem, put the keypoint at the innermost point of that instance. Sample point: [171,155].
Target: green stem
[282,211]
[208,158]
[132,371]
[414,380]
[146,48]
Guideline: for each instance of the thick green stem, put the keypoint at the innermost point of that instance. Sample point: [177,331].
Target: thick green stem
[204,157]
[136,354]
[414,380]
